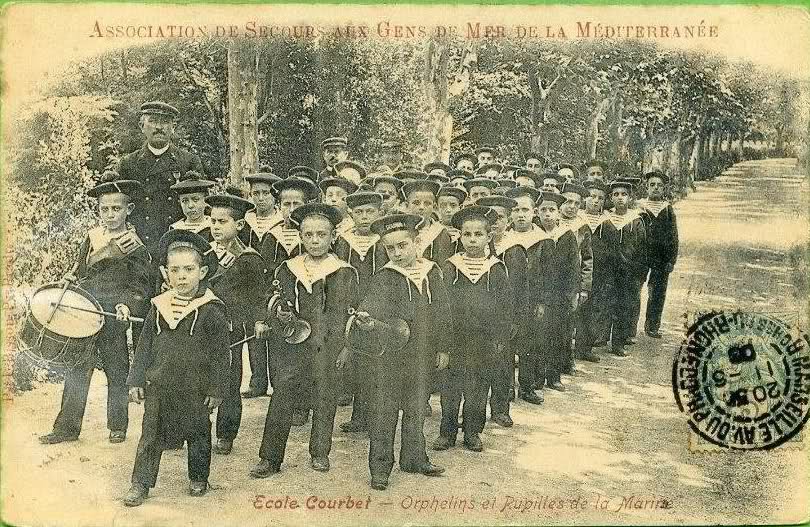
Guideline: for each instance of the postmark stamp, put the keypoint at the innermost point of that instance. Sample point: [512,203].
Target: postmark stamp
[743,379]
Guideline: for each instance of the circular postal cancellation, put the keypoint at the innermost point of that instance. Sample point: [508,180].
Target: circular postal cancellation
[743,379]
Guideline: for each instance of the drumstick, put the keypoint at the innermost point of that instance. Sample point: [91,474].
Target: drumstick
[137,320]
[240,342]
[61,295]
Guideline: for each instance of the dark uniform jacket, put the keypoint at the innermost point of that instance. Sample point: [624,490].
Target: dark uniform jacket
[482,301]
[554,271]
[239,283]
[436,243]
[183,363]
[423,303]
[630,249]
[116,271]
[662,233]
[580,228]
[322,297]
[159,207]
[367,259]
[516,259]
[275,251]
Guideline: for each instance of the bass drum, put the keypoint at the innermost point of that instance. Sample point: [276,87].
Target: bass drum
[55,334]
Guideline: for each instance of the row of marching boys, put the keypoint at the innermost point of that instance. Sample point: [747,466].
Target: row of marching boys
[506,274]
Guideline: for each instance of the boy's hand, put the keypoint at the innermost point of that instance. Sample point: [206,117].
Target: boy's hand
[261,329]
[136,394]
[212,402]
[122,312]
[442,360]
[69,278]
[344,358]
[364,321]
[285,317]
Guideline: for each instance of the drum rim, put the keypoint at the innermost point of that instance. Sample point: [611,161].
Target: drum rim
[76,289]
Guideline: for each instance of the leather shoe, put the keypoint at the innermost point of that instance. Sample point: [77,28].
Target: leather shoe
[379,482]
[137,493]
[251,394]
[55,437]
[321,464]
[197,488]
[300,418]
[618,351]
[263,469]
[502,420]
[590,357]
[223,447]
[531,397]
[473,442]
[654,333]
[557,385]
[354,426]
[118,436]
[443,442]
[427,469]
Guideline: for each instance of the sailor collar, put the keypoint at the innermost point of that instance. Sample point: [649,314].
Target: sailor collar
[462,264]
[653,207]
[360,244]
[417,275]
[526,239]
[621,222]
[163,305]
[594,220]
[308,274]
[193,227]
[253,221]
[428,235]
[555,234]
[288,242]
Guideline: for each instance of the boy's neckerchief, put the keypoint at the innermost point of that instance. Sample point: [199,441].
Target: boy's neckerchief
[427,236]
[473,268]
[171,314]
[653,207]
[621,221]
[360,244]
[417,274]
[193,227]
[308,272]
[262,226]
[288,238]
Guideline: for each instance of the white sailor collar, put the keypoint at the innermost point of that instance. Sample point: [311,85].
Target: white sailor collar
[428,235]
[253,221]
[288,244]
[193,227]
[621,222]
[355,243]
[594,220]
[554,235]
[653,207]
[309,275]
[163,305]
[422,267]
[574,224]
[461,264]
[526,239]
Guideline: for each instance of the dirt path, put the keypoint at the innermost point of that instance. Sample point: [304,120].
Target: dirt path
[616,433]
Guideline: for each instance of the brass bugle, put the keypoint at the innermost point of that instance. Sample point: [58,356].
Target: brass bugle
[297,330]
[390,336]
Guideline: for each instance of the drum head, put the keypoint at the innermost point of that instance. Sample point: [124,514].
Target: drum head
[67,322]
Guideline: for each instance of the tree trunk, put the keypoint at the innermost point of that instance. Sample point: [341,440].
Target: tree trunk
[695,160]
[741,146]
[242,110]
[593,129]
[434,82]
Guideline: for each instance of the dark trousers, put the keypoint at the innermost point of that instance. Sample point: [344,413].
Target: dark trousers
[360,386]
[112,348]
[469,376]
[527,351]
[627,306]
[554,337]
[585,334]
[656,296]
[151,446]
[229,413]
[291,367]
[260,375]
[502,378]
[405,383]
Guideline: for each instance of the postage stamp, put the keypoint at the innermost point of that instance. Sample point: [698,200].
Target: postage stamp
[742,378]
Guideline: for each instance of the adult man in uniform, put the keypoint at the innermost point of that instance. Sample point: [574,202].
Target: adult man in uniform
[333,151]
[157,165]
